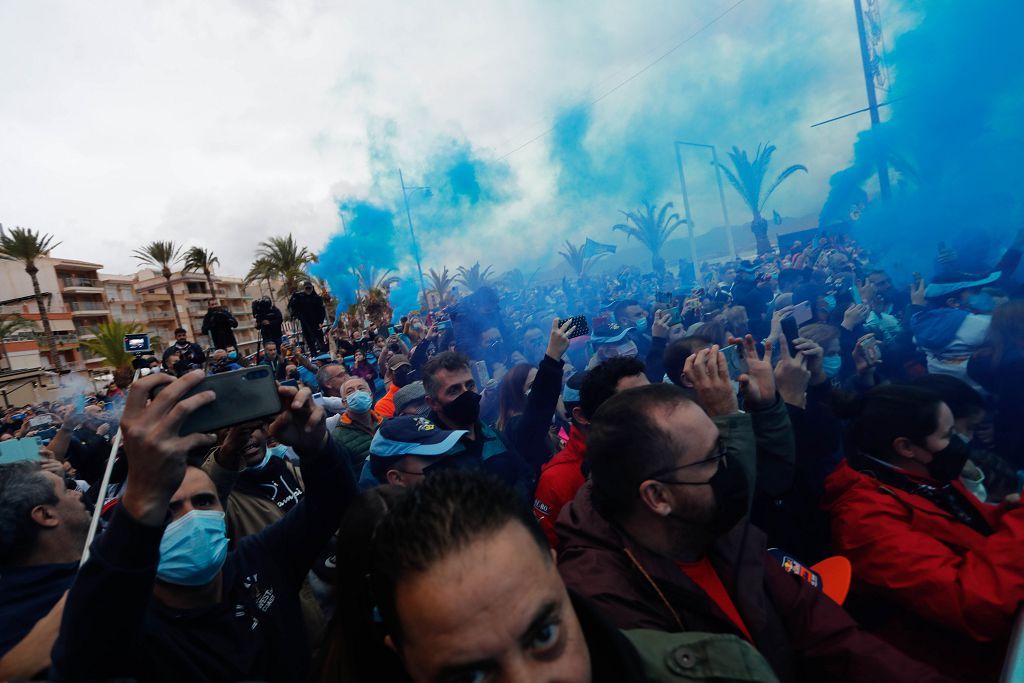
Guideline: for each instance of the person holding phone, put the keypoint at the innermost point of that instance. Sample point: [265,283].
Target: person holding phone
[160,597]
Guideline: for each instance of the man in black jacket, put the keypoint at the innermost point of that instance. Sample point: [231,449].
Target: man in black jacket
[159,601]
[189,353]
[218,323]
[268,320]
[307,307]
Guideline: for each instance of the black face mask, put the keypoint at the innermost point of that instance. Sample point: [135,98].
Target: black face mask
[947,464]
[465,410]
[729,485]
[730,488]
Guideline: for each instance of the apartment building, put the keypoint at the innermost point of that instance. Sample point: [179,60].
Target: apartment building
[74,300]
[143,298]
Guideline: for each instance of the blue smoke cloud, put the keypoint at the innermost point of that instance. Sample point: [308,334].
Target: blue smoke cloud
[954,140]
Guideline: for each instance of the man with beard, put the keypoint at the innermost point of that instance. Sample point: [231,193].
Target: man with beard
[451,393]
[307,307]
[189,353]
[659,539]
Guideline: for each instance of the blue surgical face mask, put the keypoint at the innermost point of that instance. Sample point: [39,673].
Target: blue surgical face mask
[641,324]
[359,402]
[193,548]
[981,303]
[830,303]
[831,365]
[232,355]
[277,451]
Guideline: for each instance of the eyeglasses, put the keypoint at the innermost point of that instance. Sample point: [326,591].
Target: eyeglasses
[715,455]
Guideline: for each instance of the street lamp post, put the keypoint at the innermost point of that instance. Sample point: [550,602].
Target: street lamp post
[721,189]
[412,233]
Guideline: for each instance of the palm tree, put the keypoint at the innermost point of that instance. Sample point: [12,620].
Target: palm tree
[370,278]
[474,278]
[9,324]
[108,344]
[199,259]
[22,244]
[283,258]
[163,255]
[579,263]
[441,284]
[748,179]
[651,228]
[261,270]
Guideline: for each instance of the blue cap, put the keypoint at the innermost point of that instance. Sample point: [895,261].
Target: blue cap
[610,333]
[324,357]
[413,435]
[936,289]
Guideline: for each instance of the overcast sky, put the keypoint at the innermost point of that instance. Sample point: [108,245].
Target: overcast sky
[222,123]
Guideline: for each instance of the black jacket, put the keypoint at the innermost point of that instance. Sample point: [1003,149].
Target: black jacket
[308,308]
[114,628]
[528,433]
[218,323]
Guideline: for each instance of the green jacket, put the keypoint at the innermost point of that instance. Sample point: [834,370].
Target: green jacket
[355,442]
[694,656]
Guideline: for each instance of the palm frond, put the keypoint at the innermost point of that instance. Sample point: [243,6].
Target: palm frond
[23,244]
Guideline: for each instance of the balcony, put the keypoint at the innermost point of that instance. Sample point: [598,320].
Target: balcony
[155,298]
[83,332]
[81,285]
[85,308]
[198,296]
[156,316]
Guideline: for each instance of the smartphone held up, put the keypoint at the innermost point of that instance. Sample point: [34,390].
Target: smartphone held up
[243,395]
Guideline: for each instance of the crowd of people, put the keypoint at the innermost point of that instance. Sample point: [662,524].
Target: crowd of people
[801,467]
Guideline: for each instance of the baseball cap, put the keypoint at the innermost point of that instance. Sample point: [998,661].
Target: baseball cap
[413,391]
[324,358]
[956,282]
[412,435]
[610,333]
[571,390]
[832,575]
[398,360]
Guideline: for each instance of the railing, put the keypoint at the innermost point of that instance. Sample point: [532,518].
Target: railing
[88,306]
[71,281]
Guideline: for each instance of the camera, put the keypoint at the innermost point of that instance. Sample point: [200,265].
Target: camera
[137,343]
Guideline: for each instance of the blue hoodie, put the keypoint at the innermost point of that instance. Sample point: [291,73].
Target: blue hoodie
[935,328]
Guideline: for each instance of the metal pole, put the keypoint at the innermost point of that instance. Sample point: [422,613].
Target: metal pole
[415,247]
[689,218]
[869,82]
[101,498]
[721,196]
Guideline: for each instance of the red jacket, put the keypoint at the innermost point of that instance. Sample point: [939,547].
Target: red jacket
[560,479]
[907,550]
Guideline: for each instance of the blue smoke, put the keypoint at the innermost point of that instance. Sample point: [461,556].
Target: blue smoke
[954,140]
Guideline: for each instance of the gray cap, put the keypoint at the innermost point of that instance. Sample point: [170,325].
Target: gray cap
[407,394]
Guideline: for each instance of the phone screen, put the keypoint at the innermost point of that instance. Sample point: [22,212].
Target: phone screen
[802,312]
[736,362]
[789,328]
[674,317]
[855,294]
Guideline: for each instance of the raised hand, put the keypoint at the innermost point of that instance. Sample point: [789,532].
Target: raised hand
[757,385]
[301,424]
[558,342]
[708,372]
[155,450]
[792,375]
[661,326]
[855,315]
[815,357]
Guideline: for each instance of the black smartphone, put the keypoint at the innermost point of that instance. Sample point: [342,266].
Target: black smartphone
[674,317]
[579,326]
[243,395]
[791,331]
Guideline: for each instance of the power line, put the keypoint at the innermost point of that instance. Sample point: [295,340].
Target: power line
[635,75]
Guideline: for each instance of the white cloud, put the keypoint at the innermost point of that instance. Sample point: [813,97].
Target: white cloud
[222,123]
